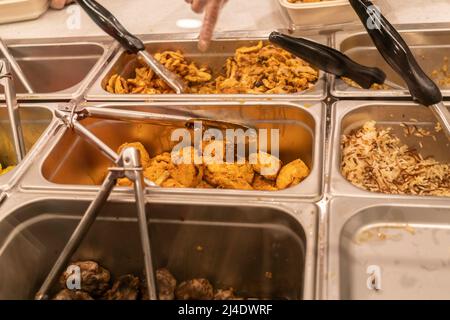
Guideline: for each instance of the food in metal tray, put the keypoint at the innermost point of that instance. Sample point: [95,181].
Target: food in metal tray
[442,76]
[5,170]
[95,285]
[375,86]
[254,70]
[261,171]
[376,160]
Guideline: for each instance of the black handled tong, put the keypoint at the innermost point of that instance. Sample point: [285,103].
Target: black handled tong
[398,55]
[331,60]
[106,21]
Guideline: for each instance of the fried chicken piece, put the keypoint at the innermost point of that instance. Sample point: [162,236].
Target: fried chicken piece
[184,171]
[67,294]
[292,174]
[230,176]
[94,278]
[171,183]
[265,164]
[195,289]
[126,287]
[262,184]
[166,284]
[158,169]
[204,185]
[145,157]
[255,69]
[124,182]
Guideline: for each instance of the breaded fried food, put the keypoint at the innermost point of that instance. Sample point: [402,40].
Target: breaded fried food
[230,176]
[145,157]
[292,174]
[262,184]
[253,70]
[187,168]
[265,164]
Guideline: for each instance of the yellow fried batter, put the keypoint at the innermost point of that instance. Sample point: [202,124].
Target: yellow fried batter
[262,184]
[158,169]
[184,171]
[265,164]
[204,185]
[145,157]
[255,69]
[179,170]
[230,176]
[292,174]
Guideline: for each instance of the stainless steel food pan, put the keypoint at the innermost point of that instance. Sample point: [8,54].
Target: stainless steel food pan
[58,69]
[69,163]
[350,115]
[215,58]
[260,250]
[382,249]
[36,122]
[429,46]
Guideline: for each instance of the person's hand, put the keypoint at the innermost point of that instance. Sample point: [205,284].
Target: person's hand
[59,4]
[211,8]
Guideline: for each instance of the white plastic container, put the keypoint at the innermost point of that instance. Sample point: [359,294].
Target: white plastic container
[19,10]
[320,13]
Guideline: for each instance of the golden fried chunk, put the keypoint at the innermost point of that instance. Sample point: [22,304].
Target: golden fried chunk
[265,164]
[204,185]
[184,170]
[145,157]
[262,184]
[255,69]
[292,174]
[171,183]
[158,170]
[230,176]
[124,182]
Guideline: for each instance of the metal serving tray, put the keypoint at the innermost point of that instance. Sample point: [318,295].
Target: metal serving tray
[350,115]
[58,68]
[37,120]
[405,243]
[429,46]
[69,163]
[261,250]
[220,50]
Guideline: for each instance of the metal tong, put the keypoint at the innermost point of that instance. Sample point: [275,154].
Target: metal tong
[106,21]
[127,164]
[331,61]
[13,109]
[398,55]
[15,66]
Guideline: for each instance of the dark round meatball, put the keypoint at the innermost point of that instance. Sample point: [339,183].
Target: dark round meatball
[227,294]
[125,287]
[195,289]
[166,284]
[94,278]
[67,294]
